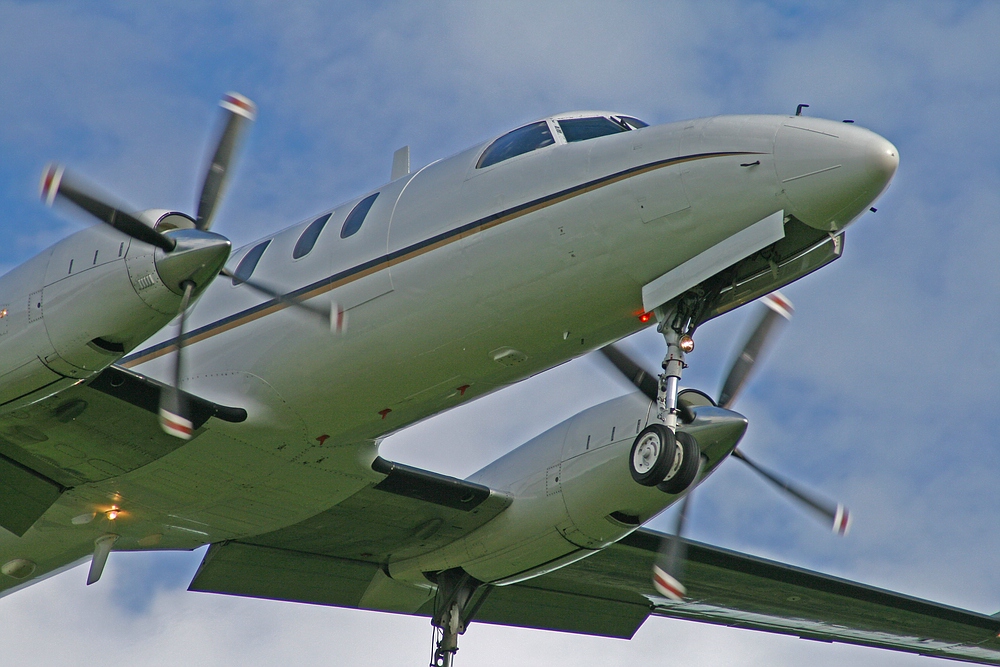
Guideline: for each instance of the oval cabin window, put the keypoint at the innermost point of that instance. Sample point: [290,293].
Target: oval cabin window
[357,216]
[308,238]
[249,262]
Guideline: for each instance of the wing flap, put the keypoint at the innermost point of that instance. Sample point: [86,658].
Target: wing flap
[738,590]
[233,568]
[25,495]
[529,607]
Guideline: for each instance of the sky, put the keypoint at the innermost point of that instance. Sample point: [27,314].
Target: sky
[881,393]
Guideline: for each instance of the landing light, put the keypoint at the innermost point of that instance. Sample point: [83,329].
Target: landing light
[686,343]
[112,513]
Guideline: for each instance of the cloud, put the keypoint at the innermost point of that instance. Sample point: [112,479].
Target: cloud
[881,393]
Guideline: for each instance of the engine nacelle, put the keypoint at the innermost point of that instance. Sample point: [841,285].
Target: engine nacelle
[572,492]
[82,304]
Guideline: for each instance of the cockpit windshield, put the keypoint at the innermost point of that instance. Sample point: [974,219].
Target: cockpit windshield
[537,135]
[581,129]
[518,142]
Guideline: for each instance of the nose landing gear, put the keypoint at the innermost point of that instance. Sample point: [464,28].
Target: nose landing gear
[665,459]
[661,455]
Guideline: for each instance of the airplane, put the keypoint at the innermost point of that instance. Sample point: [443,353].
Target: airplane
[160,391]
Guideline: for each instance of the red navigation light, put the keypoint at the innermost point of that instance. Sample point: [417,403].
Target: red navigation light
[645,317]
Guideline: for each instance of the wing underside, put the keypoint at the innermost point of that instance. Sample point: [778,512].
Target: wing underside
[737,590]
[610,594]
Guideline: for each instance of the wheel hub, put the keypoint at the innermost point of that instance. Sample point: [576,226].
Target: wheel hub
[676,465]
[646,453]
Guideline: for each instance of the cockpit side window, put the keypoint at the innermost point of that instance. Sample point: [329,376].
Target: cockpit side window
[357,216]
[634,123]
[581,129]
[517,142]
[249,262]
[308,238]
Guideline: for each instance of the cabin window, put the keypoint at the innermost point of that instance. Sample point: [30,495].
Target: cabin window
[308,238]
[581,129]
[357,216]
[249,262]
[522,140]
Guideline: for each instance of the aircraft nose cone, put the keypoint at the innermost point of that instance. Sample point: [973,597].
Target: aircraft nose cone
[831,172]
[198,257]
[883,159]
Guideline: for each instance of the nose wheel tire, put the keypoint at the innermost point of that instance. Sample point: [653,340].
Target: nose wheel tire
[653,455]
[685,467]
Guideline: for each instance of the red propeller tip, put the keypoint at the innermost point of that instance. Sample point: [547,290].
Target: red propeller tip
[239,104]
[841,520]
[667,585]
[51,179]
[175,425]
[777,302]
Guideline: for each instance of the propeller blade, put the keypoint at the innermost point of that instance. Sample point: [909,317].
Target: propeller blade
[332,316]
[240,112]
[174,416]
[836,514]
[57,183]
[635,373]
[668,570]
[779,310]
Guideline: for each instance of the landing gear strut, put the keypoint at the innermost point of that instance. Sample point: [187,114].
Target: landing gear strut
[662,456]
[452,612]
[673,365]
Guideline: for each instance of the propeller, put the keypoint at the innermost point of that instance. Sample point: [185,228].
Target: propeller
[333,316]
[174,416]
[186,259]
[241,112]
[669,564]
[57,183]
[835,513]
[668,569]
[779,311]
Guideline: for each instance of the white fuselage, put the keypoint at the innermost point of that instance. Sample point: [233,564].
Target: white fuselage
[459,282]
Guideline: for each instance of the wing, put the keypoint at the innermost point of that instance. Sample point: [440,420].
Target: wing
[86,433]
[610,594]
[734,589]
[80,436]
[334,557]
